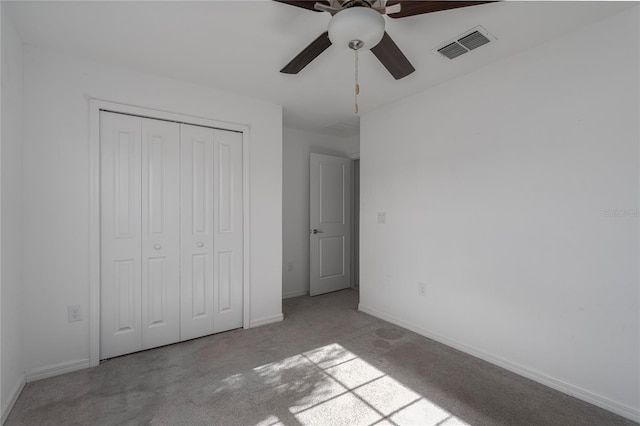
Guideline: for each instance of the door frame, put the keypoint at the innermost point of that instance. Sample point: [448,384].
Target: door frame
[355,222]
[97,105]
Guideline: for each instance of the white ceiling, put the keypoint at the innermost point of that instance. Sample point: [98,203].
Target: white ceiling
[240,46]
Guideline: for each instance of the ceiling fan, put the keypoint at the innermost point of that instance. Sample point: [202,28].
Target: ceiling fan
[360,24]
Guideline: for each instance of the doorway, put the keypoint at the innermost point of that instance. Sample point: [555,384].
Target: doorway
[334,221]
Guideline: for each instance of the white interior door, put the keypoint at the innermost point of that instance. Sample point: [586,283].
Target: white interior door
[211,271]
[140,234]
[196,272]
[121,235]
[171,232]
[227,231]
[330,223]
[160,233]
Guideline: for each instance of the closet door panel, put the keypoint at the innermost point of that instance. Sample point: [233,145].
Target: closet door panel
[171,232]
[120,227]
[160,233]
[227,232]
[197,231]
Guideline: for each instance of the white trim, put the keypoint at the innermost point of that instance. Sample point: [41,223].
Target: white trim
[13,397]
[267,320]
[94,233]
[537,376]
[165,115]
[294,293]
[57,369]
[246,244]
[95,106]
[354,156]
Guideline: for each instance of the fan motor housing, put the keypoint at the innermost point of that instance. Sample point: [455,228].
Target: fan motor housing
[356,23]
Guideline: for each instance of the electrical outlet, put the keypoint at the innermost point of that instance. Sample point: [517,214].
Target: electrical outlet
[74,313]
[290,266]
[422,289]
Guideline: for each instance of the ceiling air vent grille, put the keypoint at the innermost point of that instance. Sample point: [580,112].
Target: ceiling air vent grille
[466,42]
[473,40]
[452,50]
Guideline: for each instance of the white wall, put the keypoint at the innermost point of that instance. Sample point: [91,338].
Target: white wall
[11,216]
[497,188]
[57,89]
[297,145]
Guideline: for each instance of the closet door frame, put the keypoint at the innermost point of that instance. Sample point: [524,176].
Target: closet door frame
[95,106]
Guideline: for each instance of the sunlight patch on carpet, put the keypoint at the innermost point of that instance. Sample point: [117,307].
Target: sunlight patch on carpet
[331,385]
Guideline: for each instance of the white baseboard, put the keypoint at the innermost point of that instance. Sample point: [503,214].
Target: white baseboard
[266,320]
[57,369]
[537,376]
[13,397]
[296,293]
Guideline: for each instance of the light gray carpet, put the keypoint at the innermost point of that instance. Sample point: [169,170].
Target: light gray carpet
[325,364]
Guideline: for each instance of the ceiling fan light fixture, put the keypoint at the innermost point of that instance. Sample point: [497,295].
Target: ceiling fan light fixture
[356,23]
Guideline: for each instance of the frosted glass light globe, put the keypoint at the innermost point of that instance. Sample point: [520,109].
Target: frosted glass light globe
[356,23]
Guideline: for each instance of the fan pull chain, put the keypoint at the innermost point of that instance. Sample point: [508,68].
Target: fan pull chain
[357,88]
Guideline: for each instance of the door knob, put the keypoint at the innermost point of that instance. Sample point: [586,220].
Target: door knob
[157,246]
[317,231]
[200,244]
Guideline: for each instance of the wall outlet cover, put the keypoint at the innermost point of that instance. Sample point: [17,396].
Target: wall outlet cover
[422,289]
[74,313]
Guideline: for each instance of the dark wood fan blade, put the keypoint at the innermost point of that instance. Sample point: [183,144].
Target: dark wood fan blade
[411,8]
[305,4]
[388,52]
[309,53]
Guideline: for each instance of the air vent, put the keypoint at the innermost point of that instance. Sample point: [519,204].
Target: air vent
[452,50]
[473,40]
[465,42]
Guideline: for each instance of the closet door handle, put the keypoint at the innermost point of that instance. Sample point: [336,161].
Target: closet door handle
[200,244]
[157,246]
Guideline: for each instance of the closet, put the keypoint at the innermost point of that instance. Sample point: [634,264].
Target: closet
[170,232]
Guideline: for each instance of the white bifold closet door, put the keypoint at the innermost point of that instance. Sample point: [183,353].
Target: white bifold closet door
[171,232]
[140,233]
[212,255]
